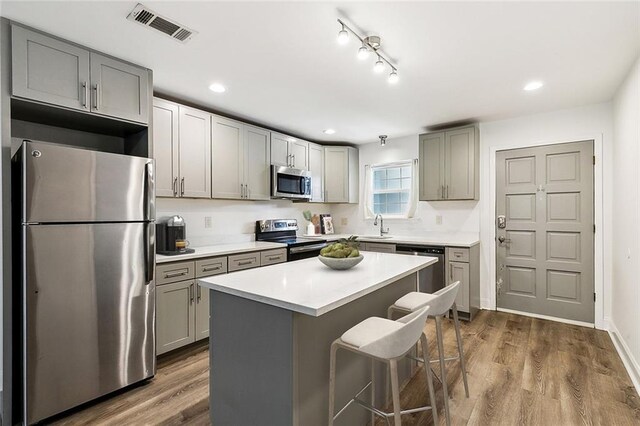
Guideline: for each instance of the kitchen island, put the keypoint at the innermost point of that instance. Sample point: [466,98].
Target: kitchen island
[271,330]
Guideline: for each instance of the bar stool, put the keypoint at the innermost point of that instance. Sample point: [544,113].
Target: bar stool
[439,304]
[386,341]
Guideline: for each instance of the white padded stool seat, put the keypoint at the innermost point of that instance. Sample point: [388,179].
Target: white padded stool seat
[414,300]
[369,330]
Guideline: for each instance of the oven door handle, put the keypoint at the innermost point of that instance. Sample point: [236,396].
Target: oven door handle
[303,249]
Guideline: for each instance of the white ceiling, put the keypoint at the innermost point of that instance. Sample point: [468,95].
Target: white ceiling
[283,67]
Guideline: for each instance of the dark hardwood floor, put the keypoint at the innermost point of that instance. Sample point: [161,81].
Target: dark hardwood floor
[522,371]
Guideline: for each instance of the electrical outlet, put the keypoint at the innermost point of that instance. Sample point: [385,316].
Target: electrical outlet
[344,221]
[438,220]
[207,222]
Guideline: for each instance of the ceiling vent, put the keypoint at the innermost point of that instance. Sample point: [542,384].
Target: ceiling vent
[145,16]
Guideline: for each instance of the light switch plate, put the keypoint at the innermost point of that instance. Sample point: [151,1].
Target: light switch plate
[207,222]
[344,221]
[438,220]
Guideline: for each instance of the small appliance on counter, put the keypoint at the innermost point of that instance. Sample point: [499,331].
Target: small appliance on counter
[171,235]
[284,231]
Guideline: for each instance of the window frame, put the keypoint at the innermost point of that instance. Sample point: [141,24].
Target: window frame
[389,165]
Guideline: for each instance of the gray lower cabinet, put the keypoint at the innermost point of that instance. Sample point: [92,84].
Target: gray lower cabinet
[56,72]
[182,306]
[463,264]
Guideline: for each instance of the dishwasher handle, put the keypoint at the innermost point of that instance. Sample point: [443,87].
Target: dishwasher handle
[420,250]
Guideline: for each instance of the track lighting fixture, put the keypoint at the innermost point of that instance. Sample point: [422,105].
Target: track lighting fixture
[383,140]
[369,44]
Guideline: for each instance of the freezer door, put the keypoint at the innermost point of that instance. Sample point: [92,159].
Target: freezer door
[89,313]
[64,184]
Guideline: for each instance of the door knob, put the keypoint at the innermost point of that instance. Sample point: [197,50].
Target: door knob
[502,240]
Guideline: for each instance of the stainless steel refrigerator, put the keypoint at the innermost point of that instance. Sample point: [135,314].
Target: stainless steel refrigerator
[87,284]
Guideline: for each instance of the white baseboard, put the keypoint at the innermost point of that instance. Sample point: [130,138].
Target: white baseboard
[545,317]
[633,369]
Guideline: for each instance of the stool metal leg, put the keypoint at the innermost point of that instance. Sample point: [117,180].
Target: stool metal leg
[443,369]
[395,391]
[427,369]
[332,382]
[373,390]
[460,350]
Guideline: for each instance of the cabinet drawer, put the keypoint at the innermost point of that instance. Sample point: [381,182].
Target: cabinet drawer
[174,272]
[212,266]
[271,257]
[380,248]
[456,254]
[239,262]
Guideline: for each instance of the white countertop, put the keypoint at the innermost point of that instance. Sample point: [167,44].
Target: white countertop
[450,239]
[220,250]
[309,287]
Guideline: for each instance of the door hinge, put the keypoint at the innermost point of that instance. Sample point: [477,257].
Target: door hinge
[594,160]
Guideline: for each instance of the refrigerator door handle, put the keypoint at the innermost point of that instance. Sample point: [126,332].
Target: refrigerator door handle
[150,192]
[150,248]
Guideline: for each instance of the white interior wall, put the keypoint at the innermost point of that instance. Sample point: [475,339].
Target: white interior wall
[570,125]
[457,216]
[625,313]
[232,220]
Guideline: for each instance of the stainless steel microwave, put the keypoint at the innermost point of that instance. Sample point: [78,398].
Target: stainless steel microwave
[290,183]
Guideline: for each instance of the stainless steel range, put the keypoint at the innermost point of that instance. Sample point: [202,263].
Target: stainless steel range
[284,231]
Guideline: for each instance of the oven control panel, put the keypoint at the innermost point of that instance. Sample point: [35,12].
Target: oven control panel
[272,225]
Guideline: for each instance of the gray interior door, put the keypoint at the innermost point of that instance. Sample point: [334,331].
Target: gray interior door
[89,313]
[545,251]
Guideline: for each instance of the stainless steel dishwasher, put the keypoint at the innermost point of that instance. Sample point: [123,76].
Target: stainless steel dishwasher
[431,278]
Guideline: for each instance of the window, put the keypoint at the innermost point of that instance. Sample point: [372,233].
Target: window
[391,189]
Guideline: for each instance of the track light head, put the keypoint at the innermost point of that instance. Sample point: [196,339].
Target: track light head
[393,77]
[383,140]
[363,52]
[379,66]
[343,36]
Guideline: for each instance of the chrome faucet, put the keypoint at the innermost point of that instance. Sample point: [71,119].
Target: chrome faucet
[375,223]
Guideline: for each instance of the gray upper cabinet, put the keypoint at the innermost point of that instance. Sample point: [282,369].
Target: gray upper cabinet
[257,151]
[165,147]
[118,89]
[55,72]
[227,151]
[316,167]
[49,70]
[182,150]
[289,152]
[449,165]
[194,142]
[240,160]
[341,174]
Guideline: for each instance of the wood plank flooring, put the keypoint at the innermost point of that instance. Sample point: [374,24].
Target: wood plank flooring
[522,371]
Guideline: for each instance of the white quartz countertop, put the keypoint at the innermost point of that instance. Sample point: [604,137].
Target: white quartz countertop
[450,239]
[309,287]
[220,250]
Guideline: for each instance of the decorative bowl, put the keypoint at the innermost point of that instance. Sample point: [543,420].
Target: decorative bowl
[341,264]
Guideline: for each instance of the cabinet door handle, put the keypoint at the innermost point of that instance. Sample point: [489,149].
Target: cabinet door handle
[181,186]
[191,293]
[273,258]
[84,99]
[241,191]
[176,274]
[293,162]
[175,186]
[199,293]
[215,268]
[451,272]
[447,191]
[97,97]
[247,191]
[248,262]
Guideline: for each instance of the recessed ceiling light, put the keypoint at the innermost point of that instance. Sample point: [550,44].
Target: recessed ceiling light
[218,88]
[329,131]
[533,85]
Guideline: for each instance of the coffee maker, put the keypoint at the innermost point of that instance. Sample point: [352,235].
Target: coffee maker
[169,231]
